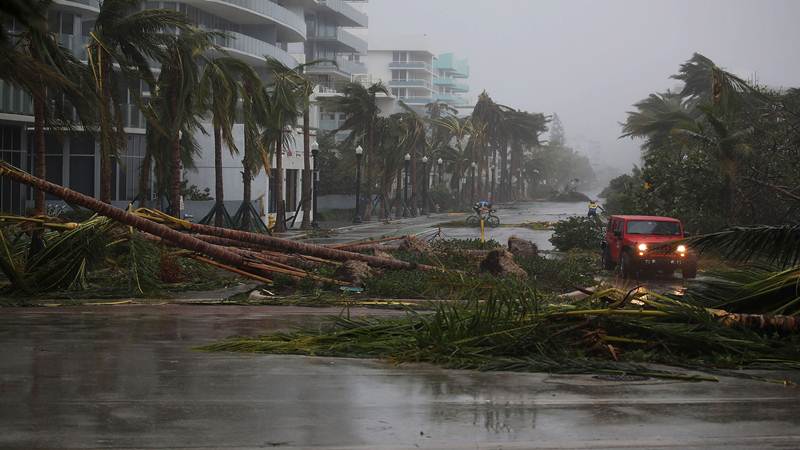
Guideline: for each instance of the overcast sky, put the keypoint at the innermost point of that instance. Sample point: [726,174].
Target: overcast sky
[589,61]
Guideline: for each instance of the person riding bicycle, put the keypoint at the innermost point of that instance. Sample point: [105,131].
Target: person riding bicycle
[482,207]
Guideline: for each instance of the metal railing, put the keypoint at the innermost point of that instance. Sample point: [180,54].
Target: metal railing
[357,17]
[410,65]
[254,47]
[94,4]
[274,11]
[410,83]
[344,66]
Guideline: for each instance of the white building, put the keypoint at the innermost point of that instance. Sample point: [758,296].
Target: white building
[291,31]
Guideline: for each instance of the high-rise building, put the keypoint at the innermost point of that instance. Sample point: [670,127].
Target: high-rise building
[415,75]
[291,31]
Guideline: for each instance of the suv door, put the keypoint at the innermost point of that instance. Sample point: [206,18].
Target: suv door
[615,239]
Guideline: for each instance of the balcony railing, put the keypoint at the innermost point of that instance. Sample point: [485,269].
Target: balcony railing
[416,100]
[345,66]
[410,83]
[344,37]
[274,12]
[254,48]
[421,65]
[14,100]
[356,17]
[92,4]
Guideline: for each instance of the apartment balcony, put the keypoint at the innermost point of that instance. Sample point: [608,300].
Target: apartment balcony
[14,100]
[253,50]
[411,65]
[457,68]
[346,14]
[343,69]
[416,100]
[452,84]
[76,44]
[343,40]
[79,6]
[330,125]
[291,26]
[455,100]
[410,83]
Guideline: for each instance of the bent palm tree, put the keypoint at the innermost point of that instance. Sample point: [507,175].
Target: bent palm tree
[120,49]
[218,94]
[360,106]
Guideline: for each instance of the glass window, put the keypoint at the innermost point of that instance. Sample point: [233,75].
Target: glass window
[654,227]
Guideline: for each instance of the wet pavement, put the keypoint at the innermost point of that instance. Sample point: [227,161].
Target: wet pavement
[128,377]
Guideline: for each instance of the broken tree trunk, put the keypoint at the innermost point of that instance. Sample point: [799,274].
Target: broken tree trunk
[320,251]
[176,238]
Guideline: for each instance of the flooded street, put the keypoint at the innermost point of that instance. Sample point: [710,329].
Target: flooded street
[128,377]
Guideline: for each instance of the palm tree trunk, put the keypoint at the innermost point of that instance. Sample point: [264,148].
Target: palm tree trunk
[306,224]
[247,184]
[280,216]
[503,193]
[107,135]
[175,179]
[414,182]
[367,215]
[219,193]
[144,179]
[39,144]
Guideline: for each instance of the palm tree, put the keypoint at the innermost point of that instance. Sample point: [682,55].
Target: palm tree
[488,116]
[219,94]
[459,130]
[120,49]
[359,104]
[523,130]
[59,76]
[255,108]
[176,109]
[287,93]
[415,143]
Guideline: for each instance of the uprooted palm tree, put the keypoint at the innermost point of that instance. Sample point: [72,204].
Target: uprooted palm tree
[123,42]
[360,106]
[218,95]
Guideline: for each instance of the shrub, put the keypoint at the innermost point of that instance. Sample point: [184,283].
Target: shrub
[581,233]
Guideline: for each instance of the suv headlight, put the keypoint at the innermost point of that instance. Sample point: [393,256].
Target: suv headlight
[642,247]
[681,249]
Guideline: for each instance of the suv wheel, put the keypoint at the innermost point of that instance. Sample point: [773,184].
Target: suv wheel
[689,272]
[605,260]
[625,266]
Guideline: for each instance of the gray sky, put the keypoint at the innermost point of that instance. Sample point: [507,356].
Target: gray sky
[589,61]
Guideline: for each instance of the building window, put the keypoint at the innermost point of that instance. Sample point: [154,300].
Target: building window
[81,164]
[11,152]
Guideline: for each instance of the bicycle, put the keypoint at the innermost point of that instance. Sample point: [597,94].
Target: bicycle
[488,216]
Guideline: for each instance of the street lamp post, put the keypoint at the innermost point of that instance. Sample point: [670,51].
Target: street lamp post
[407,165]
[472,182]
[441,166]
[315,187]
[425,185]
[359,152]
[492,168]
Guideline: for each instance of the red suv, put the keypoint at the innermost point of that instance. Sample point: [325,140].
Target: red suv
[647,243]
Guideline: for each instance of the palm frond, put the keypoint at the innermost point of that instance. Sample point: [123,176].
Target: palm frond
[775,244]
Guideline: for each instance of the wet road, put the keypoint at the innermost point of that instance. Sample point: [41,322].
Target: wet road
[127,377]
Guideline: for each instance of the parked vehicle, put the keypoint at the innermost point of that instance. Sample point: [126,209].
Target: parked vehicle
[637,244]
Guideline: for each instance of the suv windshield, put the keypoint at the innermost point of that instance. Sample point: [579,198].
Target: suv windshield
[654,227]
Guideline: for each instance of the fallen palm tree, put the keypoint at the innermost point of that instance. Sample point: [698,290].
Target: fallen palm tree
[515,329]
[196,238]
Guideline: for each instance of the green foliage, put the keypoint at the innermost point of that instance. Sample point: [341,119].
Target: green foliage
[512,328]
[561,274]
[582,233]
[721,152]
[194,193]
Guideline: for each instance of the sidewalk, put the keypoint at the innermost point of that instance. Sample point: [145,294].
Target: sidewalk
[372,229]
